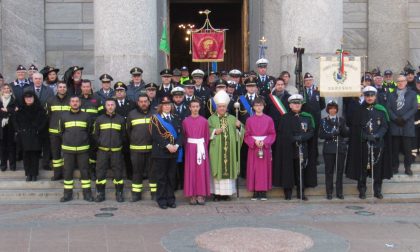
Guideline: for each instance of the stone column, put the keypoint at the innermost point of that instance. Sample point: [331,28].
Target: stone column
[22,35]
[388,45]
[318,22]
[125,36]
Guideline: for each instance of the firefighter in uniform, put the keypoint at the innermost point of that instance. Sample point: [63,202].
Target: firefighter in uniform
[75,128]
[91,104]
[138,122]
[109,134]
[56,106]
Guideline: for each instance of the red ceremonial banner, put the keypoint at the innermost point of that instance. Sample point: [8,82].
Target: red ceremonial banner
[208,47]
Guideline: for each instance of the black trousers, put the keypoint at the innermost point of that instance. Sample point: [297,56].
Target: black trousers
[57,158]
[73,160]
[46,151]
[8,147]
[405,143]
[180,167]
[330,160]
[109,160]
[377,170]
[141,164]
[127,161]
[31,163]
[244,158]
[165,170]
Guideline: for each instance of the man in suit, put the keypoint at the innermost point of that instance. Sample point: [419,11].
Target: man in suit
[106,91]
[43,93]
[402,108]
[124,106]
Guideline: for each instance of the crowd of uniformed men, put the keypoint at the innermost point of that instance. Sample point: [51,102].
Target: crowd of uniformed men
[75,127]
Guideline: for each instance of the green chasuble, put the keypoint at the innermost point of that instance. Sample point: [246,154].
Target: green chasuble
[225,148]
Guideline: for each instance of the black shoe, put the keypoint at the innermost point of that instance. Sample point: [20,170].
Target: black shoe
[119,196]
[100,197]
[28,178]
[378,195]
[226,198]
[87,195]
[3,168]
[408,171]
[153,196]
[135,196]
[329,197]
[34,178]
[58,175]
[173,205]
[47,168]
[254,196]
[216,198]
[68,195]
[287,194]
[13,167]
[163,206]
[263,196]
[362,195]
[340,196]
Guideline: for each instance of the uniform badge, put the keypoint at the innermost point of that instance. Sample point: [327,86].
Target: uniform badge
[379,121]
[304,126]
[317,98]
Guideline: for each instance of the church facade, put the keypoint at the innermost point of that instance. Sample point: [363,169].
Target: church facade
[112,36]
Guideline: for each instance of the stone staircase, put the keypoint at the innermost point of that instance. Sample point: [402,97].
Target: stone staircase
[13,187]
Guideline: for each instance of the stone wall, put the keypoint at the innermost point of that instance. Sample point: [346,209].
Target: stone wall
[69,32]
[414,31]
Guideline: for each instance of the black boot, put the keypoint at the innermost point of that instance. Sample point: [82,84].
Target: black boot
[3,166]
[34,178]
[153,195]
[28,178]
[58,174]
[303,194]
[408,171]
[287,194]
[87,194]
[68,195]
[100,195]
[135,196]
[378,195]
[362,195]
[119,193]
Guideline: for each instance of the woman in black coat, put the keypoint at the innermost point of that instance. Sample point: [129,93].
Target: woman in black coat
[30,119]
[7,131]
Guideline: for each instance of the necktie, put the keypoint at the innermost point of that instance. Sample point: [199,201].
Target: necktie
[37,91]
[263,79]
[121,103]
[188,99]
[309,92]
[166,90]
[178,109]
[168,118]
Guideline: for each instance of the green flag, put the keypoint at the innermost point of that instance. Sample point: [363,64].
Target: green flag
[164,44]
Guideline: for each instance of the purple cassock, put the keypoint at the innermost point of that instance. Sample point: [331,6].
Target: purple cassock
[258,174]
[197,161]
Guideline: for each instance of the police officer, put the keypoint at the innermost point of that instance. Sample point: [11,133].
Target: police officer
[136,85]
[20,84]
[200,91]
[389,84]
[167,139]
[264,82]
[377,83]
[333,130]
[138,122]
[176,77]
[109,133]
[91,104]
[151,90]
[185,75]
[181,110]
[57,106]
[75,128]
[166,86]
[106,91]
[31,70]
[369,145]
[124,106]
[235,78]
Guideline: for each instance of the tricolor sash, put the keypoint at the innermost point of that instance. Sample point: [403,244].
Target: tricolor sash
[170,128]
[278,104]
[246,105]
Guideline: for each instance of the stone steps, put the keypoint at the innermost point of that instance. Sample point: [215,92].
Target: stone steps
[13,187]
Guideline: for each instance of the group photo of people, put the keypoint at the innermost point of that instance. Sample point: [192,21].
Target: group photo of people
[205,132]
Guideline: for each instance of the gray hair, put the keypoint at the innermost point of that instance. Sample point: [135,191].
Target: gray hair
[38,74]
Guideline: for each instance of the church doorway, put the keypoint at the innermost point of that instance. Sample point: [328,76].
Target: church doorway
[225,14]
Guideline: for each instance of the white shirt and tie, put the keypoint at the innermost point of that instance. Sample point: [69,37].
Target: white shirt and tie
[121,103]
[38,91]
[262,78]
[251,97]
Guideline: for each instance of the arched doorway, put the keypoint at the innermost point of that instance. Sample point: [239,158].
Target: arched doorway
[226,14]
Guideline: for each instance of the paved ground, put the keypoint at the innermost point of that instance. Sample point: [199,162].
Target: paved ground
[277,225]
